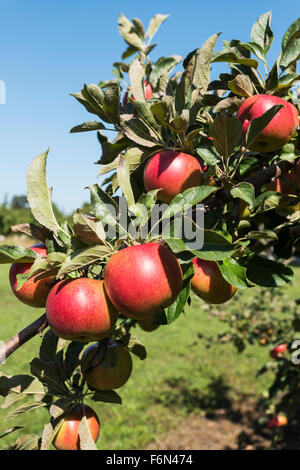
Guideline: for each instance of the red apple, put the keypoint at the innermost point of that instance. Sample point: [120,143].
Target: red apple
[148,93]
[67,437]
[277,422]
[288,184]
[100,376]
[172,171]
[278,351]
[279,130]
[142,280]
[209,284]
[33,293]
[80,310]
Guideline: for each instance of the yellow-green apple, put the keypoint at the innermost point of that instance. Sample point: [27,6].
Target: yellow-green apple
[67,437]
[33,292]
[80,310]
[279,130]
[149,324]
[102,377]
[209,284]
[172,172]
[142,280]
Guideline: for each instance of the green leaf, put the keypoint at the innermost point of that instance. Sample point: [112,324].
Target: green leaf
[201,76]
[110,150]
[291,54]
[103,206]
[59,407]
[123,175]
[127,31]
[229,55]
[142,209]
[175,309]
[134,345]
[32,230]
[258,124]
[136,77]
[244,191]
[138,131]
[208,155]
[10,430]
[261,32]
[139,27]
[256,49]
[103,103]
[88,126]
[272,79]
[154,24]
[292,33]
[234,273]
[28,442]
[164,65]
[227,133]
[16,254]
[182,202]
[39,195]
[24,409]
[49,432]
[267,273]
[84,257]
[89,229]
[287,80]
[215,246]
[86,441]
[241,85]
[72,359]
[107,396]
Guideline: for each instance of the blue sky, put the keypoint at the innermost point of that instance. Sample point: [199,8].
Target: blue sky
[49,48]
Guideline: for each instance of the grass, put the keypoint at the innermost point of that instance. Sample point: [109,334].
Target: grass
[179,376]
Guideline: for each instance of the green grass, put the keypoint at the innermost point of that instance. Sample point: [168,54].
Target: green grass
[179,376]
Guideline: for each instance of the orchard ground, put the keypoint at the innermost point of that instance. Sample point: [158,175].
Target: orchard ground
[188,397]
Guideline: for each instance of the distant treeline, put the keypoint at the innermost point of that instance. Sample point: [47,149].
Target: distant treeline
[17,211]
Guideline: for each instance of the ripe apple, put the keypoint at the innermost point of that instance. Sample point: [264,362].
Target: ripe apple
[142,280]
[149,324]
[67,437]
[173,172]
[33,293]
[148,93]
[209,284]
[80,310]
[102,377]
[278,351]
[279,130]
[278,421]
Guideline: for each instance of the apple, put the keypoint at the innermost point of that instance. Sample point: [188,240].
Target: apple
[149,324]
[277,422]
[141,280]
[288,184]
[80,310]
[279,130]
[67,437]
[173,172]
[33,293]
[278,351]
[148,93]
[102,377]
[209,284]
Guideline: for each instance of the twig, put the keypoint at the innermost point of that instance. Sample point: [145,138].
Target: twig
[22,337]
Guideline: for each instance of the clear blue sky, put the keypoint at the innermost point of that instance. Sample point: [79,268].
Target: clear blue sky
[49,48]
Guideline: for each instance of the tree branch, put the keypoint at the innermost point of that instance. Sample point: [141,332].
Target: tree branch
[22,337]
[259,179]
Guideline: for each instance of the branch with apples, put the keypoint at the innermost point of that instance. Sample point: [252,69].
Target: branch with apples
[230,144]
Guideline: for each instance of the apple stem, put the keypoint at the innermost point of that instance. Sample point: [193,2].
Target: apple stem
[37,327]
